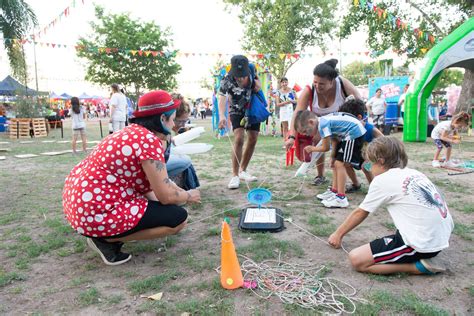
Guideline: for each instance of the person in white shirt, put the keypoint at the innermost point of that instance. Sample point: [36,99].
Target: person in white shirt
[417,208]
[118,108]
[446,133]
[376,106]
[401,100]
[78,124]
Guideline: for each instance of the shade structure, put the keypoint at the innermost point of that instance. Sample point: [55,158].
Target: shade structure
[84,96]
[10,86]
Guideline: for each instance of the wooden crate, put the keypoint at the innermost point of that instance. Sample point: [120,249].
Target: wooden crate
[39,127]
[19,128]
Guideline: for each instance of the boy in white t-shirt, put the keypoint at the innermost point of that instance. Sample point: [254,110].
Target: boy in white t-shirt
[417,208]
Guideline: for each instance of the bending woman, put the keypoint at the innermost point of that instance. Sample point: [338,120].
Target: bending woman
[121,191]
[325,96]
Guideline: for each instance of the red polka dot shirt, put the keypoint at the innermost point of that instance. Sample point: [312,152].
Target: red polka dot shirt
[104,194]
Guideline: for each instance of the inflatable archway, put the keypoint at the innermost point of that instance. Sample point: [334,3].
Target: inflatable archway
[455,50]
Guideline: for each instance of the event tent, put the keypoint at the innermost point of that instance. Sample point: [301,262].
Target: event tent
[10,86]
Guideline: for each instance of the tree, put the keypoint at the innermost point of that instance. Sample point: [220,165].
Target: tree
[434,17]
[449,77]
[16,19]
[121,50]
[276,28]
[359,72]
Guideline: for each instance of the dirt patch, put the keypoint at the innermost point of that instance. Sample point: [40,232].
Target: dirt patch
[47,268]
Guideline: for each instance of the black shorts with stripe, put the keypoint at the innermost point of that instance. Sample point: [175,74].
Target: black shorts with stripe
[392,249]
[350,151]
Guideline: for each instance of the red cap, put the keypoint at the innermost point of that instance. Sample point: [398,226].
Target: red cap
[155,102]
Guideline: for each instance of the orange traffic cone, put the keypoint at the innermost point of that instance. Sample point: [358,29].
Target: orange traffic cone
[231,275]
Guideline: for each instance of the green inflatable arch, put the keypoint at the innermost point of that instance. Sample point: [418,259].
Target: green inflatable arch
[455,50]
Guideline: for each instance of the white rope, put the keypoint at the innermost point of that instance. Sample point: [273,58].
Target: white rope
[302,285]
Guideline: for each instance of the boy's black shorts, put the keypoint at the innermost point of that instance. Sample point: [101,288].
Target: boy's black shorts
[392,249]
[350,151]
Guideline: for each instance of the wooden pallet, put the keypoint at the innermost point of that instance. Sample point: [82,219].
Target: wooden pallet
[19,128]
[39,127]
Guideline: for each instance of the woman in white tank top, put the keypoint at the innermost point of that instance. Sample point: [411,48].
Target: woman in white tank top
[324,97]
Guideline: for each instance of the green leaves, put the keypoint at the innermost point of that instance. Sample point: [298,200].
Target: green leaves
[283,27]
[120,51]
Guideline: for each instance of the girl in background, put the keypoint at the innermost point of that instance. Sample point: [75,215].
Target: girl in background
[78,124]
[447,133]
[286,101]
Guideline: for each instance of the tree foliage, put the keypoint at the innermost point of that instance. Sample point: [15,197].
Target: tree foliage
[359,72]
[16,20]
[437,17]
[383,34]
[122,34]
[449,77]
[274,27]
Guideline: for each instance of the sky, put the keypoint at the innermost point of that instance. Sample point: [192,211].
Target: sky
[202,26]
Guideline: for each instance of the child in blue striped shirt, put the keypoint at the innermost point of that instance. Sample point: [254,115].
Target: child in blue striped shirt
[345,133]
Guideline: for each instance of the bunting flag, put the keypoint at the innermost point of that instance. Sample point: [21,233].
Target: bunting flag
[63,14]
[175,53]
[395,21]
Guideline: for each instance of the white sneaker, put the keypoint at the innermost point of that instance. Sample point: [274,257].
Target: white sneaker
[435,164]
[234,183]
[336,202]
[326,195]
[449,164]
[244,175]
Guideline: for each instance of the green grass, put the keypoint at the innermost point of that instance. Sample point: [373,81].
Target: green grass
[321,225]
[464,231]
[389,225]
[89,297]
[384,302]
[471,290]
[8,278]
[152,284]
[463,206]
[387,278]
[266,246]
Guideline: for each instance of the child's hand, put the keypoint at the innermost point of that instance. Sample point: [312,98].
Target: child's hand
[456,141]
[335,240]
[332,162]
[309,149]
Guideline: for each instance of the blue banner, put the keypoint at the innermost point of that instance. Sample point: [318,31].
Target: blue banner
[392,87]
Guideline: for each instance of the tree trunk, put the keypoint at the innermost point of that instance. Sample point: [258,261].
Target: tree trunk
[466,99]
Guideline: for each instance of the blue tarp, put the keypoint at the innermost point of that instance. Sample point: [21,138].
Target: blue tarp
[9,86]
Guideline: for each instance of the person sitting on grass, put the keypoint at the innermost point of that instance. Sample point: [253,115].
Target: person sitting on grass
[445,134]
[346,133]
[417,208]
[179,166]
[359,110]
[121,192]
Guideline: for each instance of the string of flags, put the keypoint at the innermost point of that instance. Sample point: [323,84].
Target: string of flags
[64,14]
[395,21]
[176,53]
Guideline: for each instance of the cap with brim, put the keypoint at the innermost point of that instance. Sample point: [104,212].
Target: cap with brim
[239,66]
[155,102]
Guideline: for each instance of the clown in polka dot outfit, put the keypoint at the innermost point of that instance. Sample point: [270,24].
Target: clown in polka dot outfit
[121,191]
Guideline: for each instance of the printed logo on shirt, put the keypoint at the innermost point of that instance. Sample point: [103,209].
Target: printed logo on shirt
[387,240]
[425,192]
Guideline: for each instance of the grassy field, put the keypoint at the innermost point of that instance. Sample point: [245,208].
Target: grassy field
[47,268]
